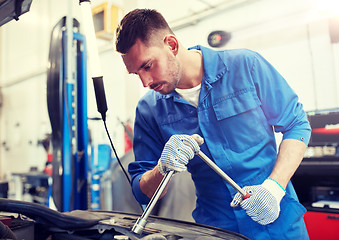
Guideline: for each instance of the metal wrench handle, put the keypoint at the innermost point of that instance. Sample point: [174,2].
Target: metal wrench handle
[222,174]
[141,222]
[215,167]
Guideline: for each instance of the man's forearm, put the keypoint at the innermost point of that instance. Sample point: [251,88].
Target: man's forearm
[291,153]
[150,181]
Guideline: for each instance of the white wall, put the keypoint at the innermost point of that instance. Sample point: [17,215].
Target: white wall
[24,120]
[292,35]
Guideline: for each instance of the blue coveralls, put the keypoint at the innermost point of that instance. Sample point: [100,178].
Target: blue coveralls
[243,100]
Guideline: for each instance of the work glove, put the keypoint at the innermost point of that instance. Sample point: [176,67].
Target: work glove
[177,152]
[263,206]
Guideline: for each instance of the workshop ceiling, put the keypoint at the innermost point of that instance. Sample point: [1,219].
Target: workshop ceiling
[180,12]
[175,9]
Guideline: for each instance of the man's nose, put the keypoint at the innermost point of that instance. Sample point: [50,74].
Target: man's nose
[146,80]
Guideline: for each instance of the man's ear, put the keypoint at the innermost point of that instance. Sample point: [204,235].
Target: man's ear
[172,42]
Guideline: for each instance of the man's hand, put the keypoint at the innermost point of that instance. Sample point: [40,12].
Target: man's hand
[177,152]
[263,206]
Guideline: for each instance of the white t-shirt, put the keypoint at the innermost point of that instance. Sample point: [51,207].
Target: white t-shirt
[191,95]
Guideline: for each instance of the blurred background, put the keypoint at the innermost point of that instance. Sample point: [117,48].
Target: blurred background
[299,38]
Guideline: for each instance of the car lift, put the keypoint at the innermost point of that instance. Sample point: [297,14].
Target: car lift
[67,108]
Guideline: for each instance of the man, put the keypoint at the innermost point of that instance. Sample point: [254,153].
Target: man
[235,100]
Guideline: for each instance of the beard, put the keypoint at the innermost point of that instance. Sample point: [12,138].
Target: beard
[173,74]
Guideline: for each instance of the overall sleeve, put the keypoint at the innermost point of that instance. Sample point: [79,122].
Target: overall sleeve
[147,148]
[279,102]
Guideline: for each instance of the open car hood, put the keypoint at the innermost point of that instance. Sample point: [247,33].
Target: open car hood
[96,224]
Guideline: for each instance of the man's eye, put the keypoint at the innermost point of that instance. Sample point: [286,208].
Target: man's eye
[147,67]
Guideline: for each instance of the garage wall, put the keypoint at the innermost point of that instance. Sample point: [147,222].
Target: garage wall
[24,120]
[296,40]
[292,35]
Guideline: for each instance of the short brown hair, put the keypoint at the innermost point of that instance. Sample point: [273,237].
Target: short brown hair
[138,24]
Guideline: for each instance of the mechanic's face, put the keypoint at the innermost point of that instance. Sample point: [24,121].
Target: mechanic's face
[156,65]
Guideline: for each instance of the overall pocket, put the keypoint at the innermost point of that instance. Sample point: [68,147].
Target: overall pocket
[241,120]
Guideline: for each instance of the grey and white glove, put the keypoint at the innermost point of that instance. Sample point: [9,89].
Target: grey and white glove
[178,150]
[263,206]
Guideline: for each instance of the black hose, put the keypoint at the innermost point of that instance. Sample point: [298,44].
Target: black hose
[45,215]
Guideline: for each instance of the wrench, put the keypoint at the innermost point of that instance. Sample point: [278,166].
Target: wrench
[141,221]
[215,167]
[139,225]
